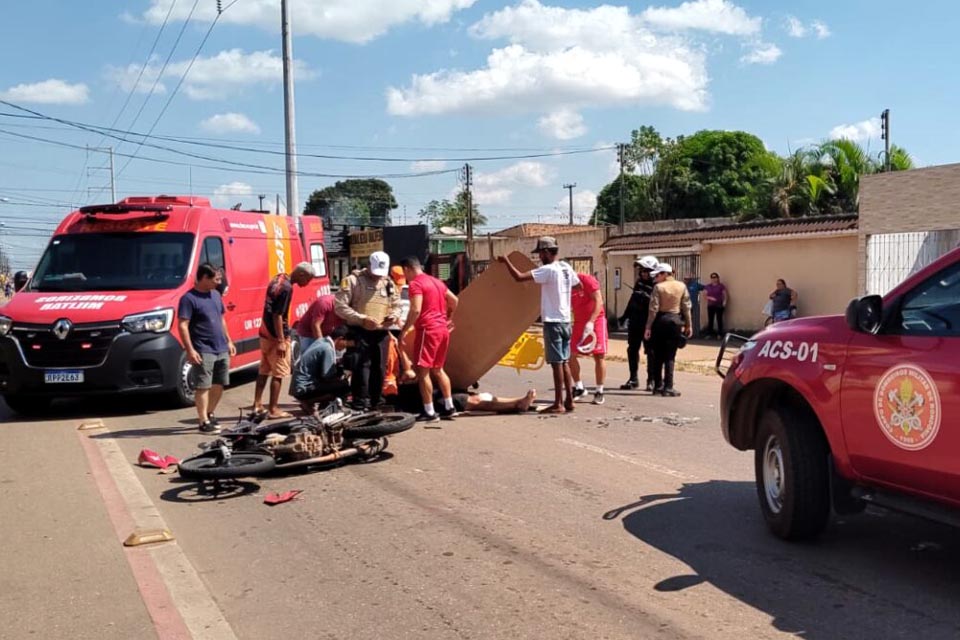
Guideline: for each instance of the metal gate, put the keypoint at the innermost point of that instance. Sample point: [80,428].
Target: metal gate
[893,257]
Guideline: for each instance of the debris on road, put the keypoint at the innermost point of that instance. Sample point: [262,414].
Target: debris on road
[274,499]
[148,458]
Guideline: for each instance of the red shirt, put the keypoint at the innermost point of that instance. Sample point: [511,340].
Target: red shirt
[321,308]
[433,310]
[581,299]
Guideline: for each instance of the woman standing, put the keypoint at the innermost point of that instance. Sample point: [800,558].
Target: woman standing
[716,305]
[784,301]
[668,319]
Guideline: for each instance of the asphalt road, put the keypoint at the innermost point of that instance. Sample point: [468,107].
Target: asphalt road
[630,520]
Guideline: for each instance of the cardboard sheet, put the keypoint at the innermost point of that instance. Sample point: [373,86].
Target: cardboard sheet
[493,311]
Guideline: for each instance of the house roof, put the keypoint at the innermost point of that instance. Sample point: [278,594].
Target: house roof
[813,225]
[537,229]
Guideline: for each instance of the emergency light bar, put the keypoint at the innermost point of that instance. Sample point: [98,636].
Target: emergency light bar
[118,209]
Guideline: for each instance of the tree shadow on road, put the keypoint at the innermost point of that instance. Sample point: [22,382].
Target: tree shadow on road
[877,575]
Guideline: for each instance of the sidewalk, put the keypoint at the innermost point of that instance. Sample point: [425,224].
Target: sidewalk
[699,356]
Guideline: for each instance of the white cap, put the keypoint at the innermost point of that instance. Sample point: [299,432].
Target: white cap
[647,262]
[379,263]
[663,267]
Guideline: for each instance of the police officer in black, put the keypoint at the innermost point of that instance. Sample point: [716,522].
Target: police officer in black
[635,316]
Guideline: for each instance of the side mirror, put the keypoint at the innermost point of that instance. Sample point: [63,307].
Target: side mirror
[864,314]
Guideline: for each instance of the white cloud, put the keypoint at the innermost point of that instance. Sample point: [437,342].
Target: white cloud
[50,91]
[562,124]
[227,195]
[229,122]
[584,202]
[212,77]
[497,187]
[859,131]
[568,58]
[425,166]
[762,53]
[356,21]
[797,29]
[718,16]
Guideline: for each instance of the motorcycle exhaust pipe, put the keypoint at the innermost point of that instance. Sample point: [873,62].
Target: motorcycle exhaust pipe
[330,457]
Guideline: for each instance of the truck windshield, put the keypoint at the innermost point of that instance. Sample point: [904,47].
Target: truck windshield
[114,262]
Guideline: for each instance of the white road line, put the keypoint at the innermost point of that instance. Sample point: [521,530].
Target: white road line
[651,466]
[190,595]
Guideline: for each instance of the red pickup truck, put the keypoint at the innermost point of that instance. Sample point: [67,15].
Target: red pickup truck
[842,412]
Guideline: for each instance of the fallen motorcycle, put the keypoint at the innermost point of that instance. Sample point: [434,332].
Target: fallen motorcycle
[253,449]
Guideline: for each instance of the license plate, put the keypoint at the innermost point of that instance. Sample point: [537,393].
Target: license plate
[63,376]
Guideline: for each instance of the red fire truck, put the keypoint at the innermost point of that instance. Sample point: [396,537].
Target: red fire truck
[845,412]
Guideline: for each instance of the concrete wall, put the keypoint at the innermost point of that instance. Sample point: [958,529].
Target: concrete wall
[919,200]
[822,270]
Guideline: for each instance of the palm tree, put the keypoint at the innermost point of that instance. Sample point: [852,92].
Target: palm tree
[846,161]
[900,160]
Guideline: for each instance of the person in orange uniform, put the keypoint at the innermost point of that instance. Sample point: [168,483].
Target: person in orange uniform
[431,307]
[589,321]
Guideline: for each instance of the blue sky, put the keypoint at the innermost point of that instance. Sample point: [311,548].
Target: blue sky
[449,79]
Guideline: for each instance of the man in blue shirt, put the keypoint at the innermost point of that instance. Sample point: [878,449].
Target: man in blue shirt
[205,338]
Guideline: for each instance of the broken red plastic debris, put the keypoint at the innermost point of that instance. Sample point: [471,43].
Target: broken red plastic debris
[279,498]
[148,458]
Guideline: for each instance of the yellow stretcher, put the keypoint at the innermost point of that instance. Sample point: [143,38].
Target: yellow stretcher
[526,353]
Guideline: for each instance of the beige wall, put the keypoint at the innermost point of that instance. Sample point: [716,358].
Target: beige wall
[822,270]
[919,200]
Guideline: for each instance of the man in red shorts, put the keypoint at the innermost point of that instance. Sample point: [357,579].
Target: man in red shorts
[589,323]
[431,307]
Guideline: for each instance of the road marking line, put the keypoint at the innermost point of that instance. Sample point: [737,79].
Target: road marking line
[651,466]
[179,603]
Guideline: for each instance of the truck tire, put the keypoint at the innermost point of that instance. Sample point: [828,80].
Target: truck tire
[27,406]
[183,393]
[792,470]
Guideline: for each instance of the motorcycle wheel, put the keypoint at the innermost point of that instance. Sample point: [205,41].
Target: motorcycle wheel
[239,465]
[376,425]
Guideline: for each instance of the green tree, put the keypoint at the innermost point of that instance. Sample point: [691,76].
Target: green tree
[713,174]
[636,203]
[354,202]
[443,213]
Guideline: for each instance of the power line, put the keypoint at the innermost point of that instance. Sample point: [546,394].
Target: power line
[123,135]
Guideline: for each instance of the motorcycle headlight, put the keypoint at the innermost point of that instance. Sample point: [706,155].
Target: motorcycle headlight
[5,324]
[151,321]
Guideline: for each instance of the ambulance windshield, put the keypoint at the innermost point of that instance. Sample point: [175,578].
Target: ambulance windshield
[114,262]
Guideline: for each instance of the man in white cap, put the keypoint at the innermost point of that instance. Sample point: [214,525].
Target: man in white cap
[369,303]
[669,318]
[275,356]
[635,316]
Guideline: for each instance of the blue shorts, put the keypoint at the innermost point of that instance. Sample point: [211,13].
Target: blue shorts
[556,339]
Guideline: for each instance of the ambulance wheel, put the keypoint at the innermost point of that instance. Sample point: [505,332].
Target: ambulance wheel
[183,393]
[793,473]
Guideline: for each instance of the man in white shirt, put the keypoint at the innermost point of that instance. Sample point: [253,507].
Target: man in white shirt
[557,280]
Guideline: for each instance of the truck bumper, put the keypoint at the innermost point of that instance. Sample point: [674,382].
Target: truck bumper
[146,362]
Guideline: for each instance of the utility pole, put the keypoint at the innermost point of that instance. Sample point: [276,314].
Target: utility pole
[109,167]
[468,182]
[569,187]
[885,135]
[261,196]
[288,110]
[621,152]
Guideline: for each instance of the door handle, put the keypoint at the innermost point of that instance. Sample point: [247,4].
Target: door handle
[231,306]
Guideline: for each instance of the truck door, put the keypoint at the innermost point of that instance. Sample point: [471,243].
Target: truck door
[900,395]
[211,251]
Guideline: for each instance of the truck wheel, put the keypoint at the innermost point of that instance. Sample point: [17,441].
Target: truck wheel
[183,394]
[792,470]
[26,406]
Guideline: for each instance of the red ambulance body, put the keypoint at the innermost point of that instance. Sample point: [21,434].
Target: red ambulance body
[99,314]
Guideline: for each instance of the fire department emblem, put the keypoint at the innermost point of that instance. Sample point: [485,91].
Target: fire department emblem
[907,407]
